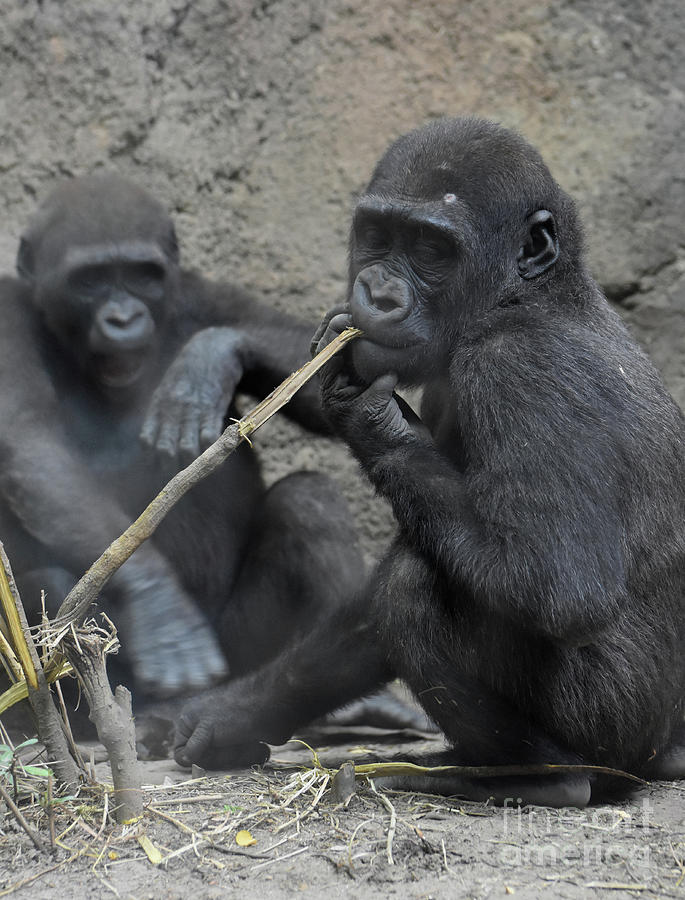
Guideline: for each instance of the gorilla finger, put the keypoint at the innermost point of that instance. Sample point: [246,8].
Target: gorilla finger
[339,389]
[192,740]
[189,440]
[382,388]
[211,429]
[335,327]
[318,334]
[330,373]
[167,439]
[195,677]
[150,429]
[323,326]
[378,399]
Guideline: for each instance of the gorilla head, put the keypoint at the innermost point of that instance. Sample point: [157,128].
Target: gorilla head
[458,218]
[101,275]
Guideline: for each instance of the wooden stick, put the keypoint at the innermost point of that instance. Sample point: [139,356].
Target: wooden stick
[111,715]
[16,812]
[49,722]
[86,590]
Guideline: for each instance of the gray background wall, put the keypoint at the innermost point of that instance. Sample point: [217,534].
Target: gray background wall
[258,122]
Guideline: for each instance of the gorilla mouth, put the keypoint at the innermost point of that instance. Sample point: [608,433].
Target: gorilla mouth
[120,370]
[371,358]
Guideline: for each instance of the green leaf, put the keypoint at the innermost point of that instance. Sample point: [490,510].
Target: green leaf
[39,771]
[6,756]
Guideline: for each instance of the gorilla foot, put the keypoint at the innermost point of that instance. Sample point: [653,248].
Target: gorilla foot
[227,728]
[172,649]
[550,790]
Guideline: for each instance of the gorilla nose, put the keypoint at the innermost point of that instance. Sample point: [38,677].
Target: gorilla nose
[117,325]
[379,296]
[123,322]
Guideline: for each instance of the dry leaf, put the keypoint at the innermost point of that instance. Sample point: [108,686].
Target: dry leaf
[152,852]
[244,839]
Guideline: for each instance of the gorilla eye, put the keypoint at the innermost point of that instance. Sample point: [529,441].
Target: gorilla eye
[432,247]
[144,279]
[89,279]
[373,236]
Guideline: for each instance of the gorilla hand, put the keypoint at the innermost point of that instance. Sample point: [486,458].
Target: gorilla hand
[225,730]
[171,647]
[333,323]
[371,418]
[188,408]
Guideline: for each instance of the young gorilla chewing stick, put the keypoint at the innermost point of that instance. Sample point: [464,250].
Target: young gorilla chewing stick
[534,596]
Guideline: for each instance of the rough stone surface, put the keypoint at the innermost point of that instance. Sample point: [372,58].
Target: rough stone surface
[258,123]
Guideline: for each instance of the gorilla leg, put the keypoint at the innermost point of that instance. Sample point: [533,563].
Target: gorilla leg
[484,727]
[303,559]
[338,660]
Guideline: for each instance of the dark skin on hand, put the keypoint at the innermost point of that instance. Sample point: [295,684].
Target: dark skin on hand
[533,598]
[117,367]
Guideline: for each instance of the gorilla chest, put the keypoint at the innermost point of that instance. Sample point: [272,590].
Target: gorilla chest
[106,443]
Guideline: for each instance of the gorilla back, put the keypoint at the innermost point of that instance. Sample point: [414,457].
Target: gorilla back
[534,598]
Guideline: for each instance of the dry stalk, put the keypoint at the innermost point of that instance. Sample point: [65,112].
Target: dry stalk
[48,721]
[16,812]
[111,715]
[393,821]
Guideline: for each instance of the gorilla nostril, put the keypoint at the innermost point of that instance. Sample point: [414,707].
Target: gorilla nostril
[122,319]
[386,303]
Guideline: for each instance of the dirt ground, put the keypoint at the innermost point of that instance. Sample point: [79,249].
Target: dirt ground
[304,841]
[257,122]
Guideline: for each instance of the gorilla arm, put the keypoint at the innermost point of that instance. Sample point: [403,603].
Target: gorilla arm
[240,343]
[461,519]
[58,503]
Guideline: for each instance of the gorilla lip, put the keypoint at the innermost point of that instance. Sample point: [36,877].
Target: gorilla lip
[120,371]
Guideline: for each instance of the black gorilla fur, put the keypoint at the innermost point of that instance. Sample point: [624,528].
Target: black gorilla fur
[534,597]
[106,338]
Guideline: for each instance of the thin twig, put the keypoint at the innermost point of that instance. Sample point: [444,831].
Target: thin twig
[16,812]
[276,859]
[183,801]
[67,727]
[444,857]
[51,812]
[393,820]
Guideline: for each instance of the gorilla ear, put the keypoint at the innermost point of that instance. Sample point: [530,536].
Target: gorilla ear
[26,264]
[541,250]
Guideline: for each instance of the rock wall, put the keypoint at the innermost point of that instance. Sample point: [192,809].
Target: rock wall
[258,122]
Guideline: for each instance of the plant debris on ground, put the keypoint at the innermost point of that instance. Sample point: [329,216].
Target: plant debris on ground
[284,829]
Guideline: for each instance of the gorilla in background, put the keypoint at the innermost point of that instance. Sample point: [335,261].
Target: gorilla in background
[534,599]
[106,338]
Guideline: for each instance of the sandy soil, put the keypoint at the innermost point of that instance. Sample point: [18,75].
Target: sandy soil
[308,843]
